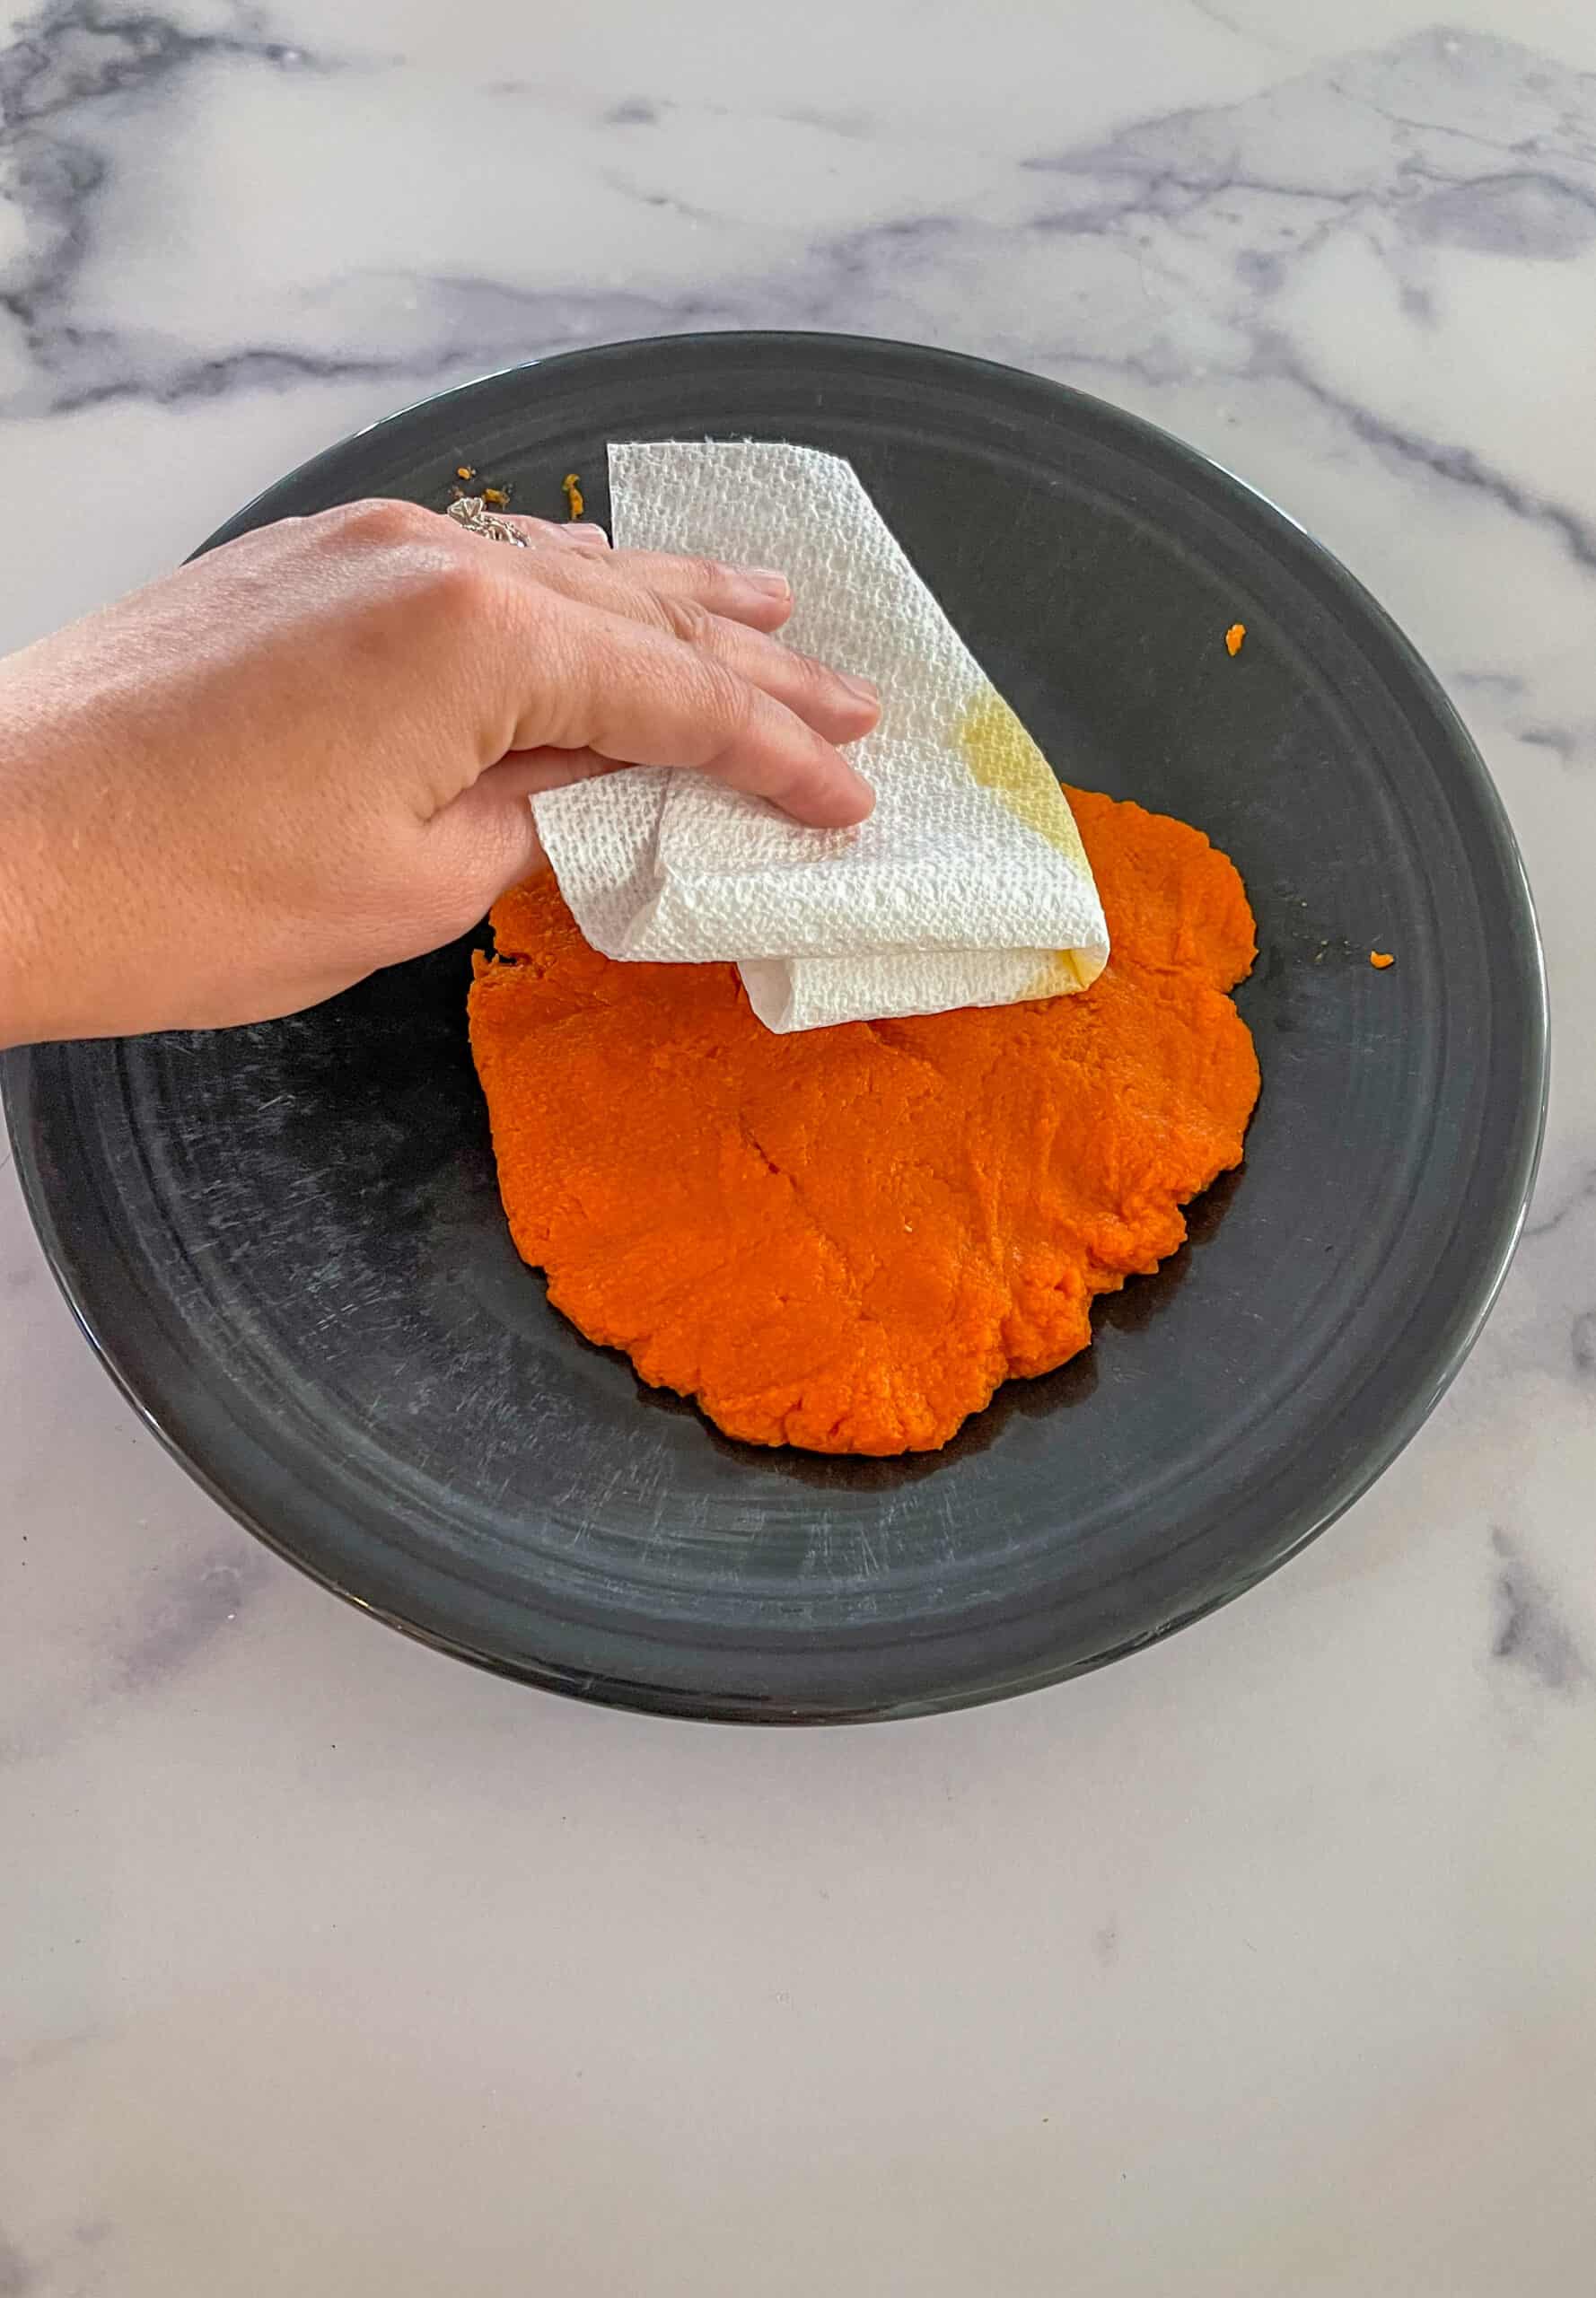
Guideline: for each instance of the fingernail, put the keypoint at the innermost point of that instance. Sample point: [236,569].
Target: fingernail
[768,579]
[587,531]
[863,688]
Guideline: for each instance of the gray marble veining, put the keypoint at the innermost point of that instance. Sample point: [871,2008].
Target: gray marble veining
[1260,1963]
[1530,1633]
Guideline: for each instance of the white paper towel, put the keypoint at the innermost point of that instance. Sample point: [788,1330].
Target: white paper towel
[969,884]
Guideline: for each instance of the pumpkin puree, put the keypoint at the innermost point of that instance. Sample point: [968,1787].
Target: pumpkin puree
[846,1237]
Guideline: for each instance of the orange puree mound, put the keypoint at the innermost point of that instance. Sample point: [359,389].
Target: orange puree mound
[844,1239]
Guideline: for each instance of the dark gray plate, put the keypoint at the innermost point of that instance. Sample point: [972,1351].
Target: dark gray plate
[287,1245]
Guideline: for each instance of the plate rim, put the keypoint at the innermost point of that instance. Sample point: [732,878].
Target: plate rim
[20,1068]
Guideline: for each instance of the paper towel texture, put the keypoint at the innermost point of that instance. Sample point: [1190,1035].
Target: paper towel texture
[968,886]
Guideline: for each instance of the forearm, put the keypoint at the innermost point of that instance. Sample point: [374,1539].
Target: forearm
[25,891]
[82,891]
[54,944]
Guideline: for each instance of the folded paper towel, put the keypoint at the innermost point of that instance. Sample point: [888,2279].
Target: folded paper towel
[968,886]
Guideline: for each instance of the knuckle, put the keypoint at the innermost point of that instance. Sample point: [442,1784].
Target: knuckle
[456,583]
[686,619]
[815,680]
[382,521]
[569,652]
[728,701]
[710,574]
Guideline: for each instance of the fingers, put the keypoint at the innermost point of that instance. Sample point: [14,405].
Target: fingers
[479,846]
[758,596]
[676,669]
[541,533]
[524,773]
[486,840]
[638,695]
[836,705]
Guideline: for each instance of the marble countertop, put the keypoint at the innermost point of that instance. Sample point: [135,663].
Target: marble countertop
[1261,1963]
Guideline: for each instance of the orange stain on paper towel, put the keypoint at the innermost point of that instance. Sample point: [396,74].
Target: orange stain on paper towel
[844,1239]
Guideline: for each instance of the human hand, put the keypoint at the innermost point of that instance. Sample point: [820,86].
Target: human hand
[308,754]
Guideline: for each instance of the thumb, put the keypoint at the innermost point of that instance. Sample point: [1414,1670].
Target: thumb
[481,844]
